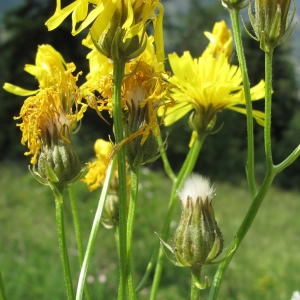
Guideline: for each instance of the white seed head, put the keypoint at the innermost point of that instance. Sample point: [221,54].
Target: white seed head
[196,186]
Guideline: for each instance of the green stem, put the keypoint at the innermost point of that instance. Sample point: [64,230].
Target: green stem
[235,20]
[130,224]
[258,199]
[245,226]
[118,74]
[288,161]
[2,289]
[165,160]
[62,242]
[78,233]
[195,292]
[268,107]
[186,169]
[94,230]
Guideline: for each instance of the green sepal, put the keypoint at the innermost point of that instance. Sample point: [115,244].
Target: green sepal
[215,249]
[50,173]
[181,259]
[162,244]
[138,52]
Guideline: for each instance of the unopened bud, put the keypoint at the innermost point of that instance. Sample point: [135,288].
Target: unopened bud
[198,239]
[58,163]
[271,22]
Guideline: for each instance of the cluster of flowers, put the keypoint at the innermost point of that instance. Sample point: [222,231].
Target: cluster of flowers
[205,85]
[149,97]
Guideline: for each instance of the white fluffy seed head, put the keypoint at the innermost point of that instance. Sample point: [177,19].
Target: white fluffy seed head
[196,186]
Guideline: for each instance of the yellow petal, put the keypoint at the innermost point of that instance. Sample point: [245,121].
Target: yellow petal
[130,17]
[17,90]
[176,112]
[60,15]
[158,34]
[31,69]
[258,91]
[103,13]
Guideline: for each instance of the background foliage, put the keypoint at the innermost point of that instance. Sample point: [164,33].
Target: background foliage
[266,267]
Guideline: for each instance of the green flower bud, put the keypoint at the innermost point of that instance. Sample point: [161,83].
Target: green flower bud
[271,22]
[198,239]
[58,163]
[235,4]
[115,43]
[110,215]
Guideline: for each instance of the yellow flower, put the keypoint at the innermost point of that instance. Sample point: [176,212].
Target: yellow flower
[50,110]
[207,85]
[97,169]
[113,19]
[145,86]
[220,40]
[47,63]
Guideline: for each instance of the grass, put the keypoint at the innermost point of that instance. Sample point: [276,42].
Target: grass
[265,267]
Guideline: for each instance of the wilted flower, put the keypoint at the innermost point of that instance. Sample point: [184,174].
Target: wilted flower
[51,110]
[144,90]
[48,117]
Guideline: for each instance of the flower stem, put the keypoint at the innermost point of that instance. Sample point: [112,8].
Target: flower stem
[130,224]
[268,107]
[258,199]
[195,292]
[94,230]
[118,74]
[78,233]
[2,289]
[165,160]
[242,231]
[186,169]
[62,242]
[235,20]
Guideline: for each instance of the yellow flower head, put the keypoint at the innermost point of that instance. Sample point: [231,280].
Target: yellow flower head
[48,63]
[220,40]
[51,109]
[98,168]
[145,86]
[119,22]
[207,85]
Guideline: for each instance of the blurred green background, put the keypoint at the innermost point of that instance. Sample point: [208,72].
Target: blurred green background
[267,264]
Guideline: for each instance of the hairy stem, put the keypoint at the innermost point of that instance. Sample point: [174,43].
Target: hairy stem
[118,75]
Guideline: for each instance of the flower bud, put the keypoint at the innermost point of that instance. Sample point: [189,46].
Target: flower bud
[235,4]
[58,163]
[139,152]
[198,239]
[125,37]
[271,23]
[110,215]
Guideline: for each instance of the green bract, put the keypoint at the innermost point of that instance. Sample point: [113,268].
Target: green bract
[271,22]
